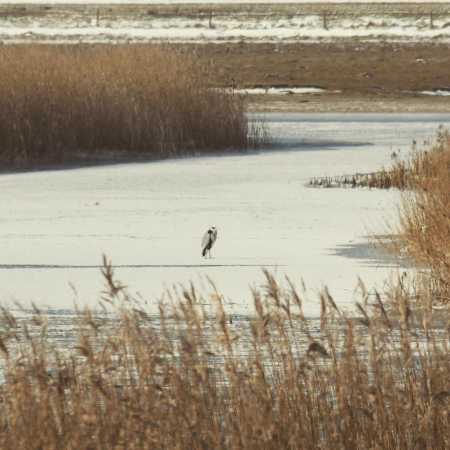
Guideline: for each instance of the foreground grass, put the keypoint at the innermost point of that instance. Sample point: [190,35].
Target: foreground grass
[181,381]
[85,102]
[189,379]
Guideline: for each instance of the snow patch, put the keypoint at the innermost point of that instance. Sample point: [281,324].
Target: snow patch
[437,92]
[223,28]
[282,90]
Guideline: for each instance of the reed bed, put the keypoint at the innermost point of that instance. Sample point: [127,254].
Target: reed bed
[425,220]
[383,179]
[410,173]
[65,103]
[424,166]
[180,381]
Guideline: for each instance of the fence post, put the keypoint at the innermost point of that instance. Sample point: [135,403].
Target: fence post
[324,18]
[210,19]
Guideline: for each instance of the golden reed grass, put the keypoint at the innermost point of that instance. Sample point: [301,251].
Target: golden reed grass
[193,379]
[63,103]
[410,173]
[425,219]
[417,171]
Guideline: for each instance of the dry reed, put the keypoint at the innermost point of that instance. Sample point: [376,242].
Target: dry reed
[403,174]
[189,379]
[65,103]
[425,219]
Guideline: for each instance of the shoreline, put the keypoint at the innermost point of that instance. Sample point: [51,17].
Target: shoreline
[348,103]
[259,105]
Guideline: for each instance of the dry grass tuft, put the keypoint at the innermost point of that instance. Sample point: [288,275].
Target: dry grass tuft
[383,179]
[412,173]
[190,379]
[86,102]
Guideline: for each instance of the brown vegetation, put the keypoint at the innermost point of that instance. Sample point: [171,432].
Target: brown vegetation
[422,170]
[74,103]
[425,217]
[383,179]
[191,380]
[377,69]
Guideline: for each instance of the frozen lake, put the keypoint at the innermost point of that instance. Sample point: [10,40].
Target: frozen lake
[149,217]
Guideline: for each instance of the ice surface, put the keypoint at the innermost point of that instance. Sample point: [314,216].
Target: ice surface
[150,217]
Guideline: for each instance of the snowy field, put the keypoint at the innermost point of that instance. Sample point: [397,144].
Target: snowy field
[150,217]
[225,29]
[91,24]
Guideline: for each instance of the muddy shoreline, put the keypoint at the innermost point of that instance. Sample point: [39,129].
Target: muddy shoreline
[359,77]
[339,103]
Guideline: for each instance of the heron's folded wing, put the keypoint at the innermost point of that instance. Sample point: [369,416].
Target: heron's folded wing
[205,240]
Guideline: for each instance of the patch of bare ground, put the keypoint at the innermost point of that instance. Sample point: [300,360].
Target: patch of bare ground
[370,77]
[369,68]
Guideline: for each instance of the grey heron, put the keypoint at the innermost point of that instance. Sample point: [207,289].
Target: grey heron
[208,241]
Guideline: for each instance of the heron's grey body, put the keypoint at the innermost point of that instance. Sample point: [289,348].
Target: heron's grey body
[208,241]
